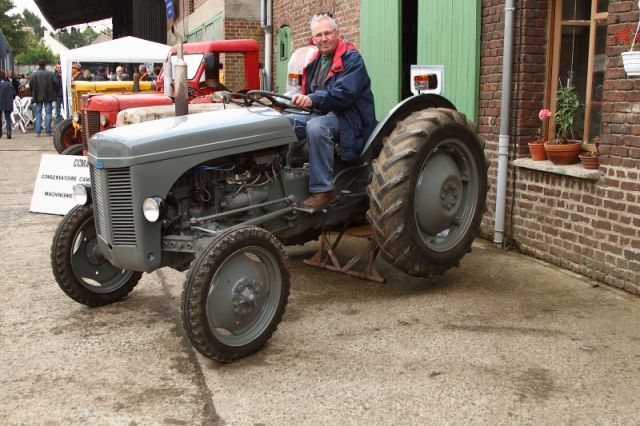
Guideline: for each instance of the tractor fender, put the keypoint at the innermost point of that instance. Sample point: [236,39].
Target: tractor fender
[397,113]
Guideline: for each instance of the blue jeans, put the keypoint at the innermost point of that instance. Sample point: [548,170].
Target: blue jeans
[58,109]
[7,119]
[47,117]
[322,133]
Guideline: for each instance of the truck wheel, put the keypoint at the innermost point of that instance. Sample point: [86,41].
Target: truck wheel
[64,135]
[428,192]
[73,150]
[235,293]
[81,272]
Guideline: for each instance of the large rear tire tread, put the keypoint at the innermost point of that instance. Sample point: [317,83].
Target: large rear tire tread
[392,186]
[198,281]
[61,248]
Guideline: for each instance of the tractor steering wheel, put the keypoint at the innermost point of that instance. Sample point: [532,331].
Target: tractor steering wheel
[256,96]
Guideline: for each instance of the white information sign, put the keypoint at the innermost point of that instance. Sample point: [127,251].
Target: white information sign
[53,192]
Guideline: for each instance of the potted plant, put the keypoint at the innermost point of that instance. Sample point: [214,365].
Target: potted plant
[564,150]
[630,58]
[591,159]
[536,146]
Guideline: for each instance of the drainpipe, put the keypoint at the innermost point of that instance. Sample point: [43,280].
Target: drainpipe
[266,22]
[503,139]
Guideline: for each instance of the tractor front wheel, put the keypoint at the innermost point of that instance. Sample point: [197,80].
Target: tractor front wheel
[79,268]
[235,293]
[65,135]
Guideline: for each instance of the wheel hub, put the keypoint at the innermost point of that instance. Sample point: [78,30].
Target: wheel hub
[450,194]
[438,194]
[244,296]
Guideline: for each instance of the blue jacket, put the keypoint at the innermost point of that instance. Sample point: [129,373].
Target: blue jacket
[347,92]
[7,93]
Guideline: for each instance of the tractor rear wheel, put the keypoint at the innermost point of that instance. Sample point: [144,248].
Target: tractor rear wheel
[65,135]
[428,192]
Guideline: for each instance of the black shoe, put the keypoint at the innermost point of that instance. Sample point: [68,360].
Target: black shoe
[8,136]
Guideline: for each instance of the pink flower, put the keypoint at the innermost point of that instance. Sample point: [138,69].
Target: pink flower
[544,113]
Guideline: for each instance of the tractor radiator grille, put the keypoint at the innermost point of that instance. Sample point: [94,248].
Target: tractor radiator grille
[90,126]
[114,206]
[98,203]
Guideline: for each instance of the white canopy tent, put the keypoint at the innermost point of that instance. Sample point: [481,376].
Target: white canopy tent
[125,49]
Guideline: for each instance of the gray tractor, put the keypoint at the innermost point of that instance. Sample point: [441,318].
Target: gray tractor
[217,193]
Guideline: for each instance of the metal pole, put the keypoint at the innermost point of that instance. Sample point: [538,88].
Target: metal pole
[503,139]
[180,79]
[267,27]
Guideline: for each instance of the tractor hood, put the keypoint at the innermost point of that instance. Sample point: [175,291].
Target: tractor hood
[120,101]
[228,132]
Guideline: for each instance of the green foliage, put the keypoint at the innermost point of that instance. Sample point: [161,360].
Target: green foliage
[74,38]
[35,50]
[567,104]
[11,26]
[32,20]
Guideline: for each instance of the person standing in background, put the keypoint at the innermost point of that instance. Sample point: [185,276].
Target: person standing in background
[76,74]
[43,94]
[7,94]
[16,83]
[100,74]
[120,75]
[57,82]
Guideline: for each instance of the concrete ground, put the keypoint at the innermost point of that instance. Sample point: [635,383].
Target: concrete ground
[504,339]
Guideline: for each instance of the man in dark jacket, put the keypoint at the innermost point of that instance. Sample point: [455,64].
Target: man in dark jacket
[101,74]
[43,94]
[57,83]
[337,87]
[7,94]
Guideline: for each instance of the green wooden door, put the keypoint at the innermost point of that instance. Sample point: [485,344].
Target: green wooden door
[449,35]
[284,45]
[380,48]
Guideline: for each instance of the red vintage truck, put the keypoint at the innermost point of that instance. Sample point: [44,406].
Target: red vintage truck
[209,64]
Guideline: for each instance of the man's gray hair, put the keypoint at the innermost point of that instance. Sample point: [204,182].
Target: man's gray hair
[319,17]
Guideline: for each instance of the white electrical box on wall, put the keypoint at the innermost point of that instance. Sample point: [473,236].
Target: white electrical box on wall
[427,79]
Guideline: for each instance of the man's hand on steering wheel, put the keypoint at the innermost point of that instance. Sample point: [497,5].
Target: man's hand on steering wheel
[302,101]
[276,101]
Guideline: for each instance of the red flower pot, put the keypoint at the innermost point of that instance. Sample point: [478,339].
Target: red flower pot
[537,151]
[589,161]
[563,153]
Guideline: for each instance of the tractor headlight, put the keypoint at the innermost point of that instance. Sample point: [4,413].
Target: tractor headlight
[104,120]
[154,209]
[76,117]
[82,194]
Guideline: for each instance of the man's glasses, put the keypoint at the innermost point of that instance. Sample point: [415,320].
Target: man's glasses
[318,36]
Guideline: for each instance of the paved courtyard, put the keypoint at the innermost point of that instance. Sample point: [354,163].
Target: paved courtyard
[504,339]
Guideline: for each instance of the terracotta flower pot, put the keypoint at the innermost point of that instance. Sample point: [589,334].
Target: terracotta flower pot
[537,151]
[566,153]
[589,161]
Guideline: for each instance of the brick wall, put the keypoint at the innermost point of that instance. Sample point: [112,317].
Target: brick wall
[297,15]
[234,78]
[586,226]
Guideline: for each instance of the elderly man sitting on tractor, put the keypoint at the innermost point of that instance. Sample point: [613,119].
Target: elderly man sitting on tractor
[336,85]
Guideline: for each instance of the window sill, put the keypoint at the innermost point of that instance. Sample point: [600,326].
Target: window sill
[575,170]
